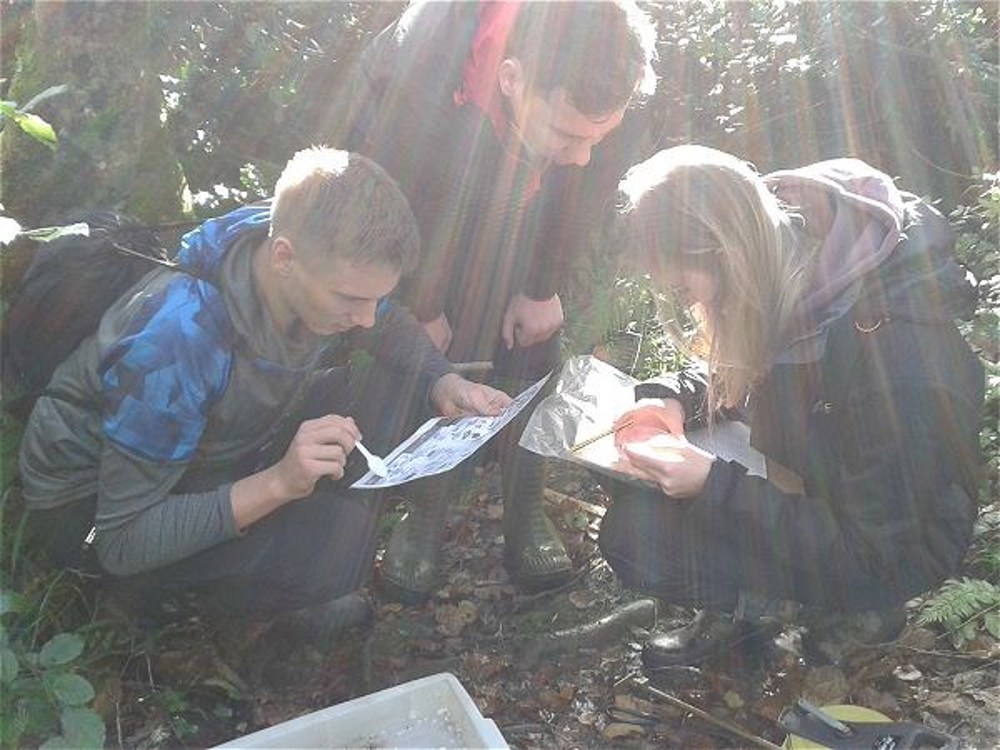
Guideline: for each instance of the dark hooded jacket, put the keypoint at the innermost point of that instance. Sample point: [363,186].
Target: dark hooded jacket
[487,233]
[875,403]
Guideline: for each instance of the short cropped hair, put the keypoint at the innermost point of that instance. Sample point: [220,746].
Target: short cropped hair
[346,205]
[601,53]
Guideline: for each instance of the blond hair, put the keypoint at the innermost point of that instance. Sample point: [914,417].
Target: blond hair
[695,207]
[346,206]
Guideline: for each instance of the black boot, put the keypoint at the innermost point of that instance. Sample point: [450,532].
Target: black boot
[534,555]
[706,636]
[409,572]
[756,620]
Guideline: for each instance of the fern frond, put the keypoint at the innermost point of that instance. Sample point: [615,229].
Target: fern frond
[958,602]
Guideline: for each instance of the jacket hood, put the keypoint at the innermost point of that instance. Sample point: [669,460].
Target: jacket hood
[855,221]
[854,213]
[203,249]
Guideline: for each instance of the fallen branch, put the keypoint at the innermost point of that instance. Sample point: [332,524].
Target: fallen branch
[702,714]
[611,627]
[470,370]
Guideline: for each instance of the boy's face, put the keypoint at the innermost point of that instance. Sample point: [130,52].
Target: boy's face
[334,296]
[554,130]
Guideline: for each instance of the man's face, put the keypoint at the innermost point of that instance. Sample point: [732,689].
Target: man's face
[554,130]
[334,296]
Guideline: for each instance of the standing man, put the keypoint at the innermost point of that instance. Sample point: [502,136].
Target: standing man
[193,428]
[487,114]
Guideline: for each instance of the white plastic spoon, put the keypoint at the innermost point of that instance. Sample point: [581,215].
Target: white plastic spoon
[376,464]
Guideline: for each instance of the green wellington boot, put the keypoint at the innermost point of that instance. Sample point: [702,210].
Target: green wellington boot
[412,556]
[534,555]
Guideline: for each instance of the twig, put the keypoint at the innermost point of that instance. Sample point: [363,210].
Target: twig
[470,368]
[984,658]
[702,714]
[561,497]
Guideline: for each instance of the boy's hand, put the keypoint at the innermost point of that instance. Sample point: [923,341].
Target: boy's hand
[319,449]
[528,321]
[454,396]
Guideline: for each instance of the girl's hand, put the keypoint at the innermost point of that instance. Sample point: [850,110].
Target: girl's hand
[652,416]
[677,466]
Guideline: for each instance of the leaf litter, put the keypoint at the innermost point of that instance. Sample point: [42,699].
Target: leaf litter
[556,670]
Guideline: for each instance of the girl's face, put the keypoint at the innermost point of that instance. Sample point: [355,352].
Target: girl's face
[690,284]
[698,286]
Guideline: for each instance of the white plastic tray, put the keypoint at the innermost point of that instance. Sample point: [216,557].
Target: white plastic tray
[432,712]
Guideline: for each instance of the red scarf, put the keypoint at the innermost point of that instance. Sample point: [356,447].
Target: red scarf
[479,79]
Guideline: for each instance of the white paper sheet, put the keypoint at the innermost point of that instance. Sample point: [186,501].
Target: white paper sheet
[441,444]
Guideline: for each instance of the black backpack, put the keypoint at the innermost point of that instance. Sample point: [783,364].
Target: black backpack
[60,299]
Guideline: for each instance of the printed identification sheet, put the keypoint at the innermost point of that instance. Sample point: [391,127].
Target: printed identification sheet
[442,443]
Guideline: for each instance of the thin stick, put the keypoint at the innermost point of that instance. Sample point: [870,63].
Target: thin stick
[728,726]
[610,431]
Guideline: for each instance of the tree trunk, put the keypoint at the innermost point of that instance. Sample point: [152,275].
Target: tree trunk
[114,151]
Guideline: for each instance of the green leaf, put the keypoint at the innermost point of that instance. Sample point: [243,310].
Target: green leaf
[8,109]
[991,621]
[72,689]
[36,127]
[61,649]
[82,727]
[8,666]
[47,234]
[47,94]
[9,601]
[964,634]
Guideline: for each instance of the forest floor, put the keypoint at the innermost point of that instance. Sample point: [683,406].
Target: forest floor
[553,670]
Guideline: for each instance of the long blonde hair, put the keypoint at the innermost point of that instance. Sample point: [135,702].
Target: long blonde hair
[699,208]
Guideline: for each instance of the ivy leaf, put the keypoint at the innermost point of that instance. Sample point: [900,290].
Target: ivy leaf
[10,601]
[82,727]
[36,127]
[72,689]
[8,666]
[61,649]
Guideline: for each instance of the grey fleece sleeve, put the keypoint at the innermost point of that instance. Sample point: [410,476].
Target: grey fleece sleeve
[142,526]
[400,344]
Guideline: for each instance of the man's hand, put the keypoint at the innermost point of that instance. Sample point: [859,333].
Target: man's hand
[439,331]
[454,396]
[319,449]
[652,416]
[528,321]
[679,467]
